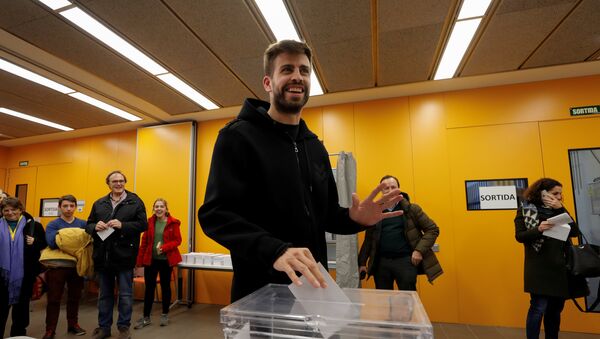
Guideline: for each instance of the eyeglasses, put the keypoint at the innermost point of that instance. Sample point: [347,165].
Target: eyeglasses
[117,181]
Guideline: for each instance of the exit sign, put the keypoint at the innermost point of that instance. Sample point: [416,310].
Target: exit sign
[584,110]
[23,163]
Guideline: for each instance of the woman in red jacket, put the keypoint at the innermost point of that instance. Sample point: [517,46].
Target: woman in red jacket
[158,254]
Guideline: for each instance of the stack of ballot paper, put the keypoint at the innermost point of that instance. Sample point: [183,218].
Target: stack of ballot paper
[561,227]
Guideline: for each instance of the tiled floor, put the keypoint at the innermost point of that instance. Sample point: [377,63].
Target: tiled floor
[202,321]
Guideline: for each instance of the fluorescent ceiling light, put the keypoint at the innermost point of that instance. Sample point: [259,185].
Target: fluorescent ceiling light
[473,8]
[26,74]
[112,40]
[278,19]
[34,119]
[283,28]
[187,91]
[315,86]
[56,4]
[457,45]
[104,106]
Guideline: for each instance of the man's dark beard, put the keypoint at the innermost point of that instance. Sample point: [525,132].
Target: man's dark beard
[289,107]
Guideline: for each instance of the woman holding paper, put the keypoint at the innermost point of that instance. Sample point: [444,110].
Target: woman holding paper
[546,277]
[158,254]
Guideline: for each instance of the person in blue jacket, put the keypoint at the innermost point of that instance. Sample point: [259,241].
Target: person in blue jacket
[57,277]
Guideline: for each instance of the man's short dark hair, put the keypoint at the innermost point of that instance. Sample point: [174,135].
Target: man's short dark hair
[115,172]
[284,46]
[385,177]
[12,202]
[68,197]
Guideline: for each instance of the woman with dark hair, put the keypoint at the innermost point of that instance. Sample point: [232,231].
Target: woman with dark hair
[546,277]
[158,254]
[21,241]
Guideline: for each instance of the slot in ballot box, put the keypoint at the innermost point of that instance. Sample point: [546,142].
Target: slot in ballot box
[274,312]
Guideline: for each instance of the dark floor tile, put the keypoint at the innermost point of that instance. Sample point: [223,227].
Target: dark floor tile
[485,332]
[457,331]
[438,332]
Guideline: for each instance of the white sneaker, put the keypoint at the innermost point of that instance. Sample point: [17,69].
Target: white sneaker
[142,322]
[164,320]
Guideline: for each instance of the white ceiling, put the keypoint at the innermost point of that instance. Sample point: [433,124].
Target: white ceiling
[362,50]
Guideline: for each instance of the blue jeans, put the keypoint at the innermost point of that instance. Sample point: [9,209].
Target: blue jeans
[549,309]
[106,299]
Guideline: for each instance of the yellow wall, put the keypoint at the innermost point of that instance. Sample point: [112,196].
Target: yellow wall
[3,155]
[211,287]
[76,166]
[433,143]
[163,169]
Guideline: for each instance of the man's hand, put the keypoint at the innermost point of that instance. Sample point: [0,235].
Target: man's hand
[416,258]
[296,259]
[29,239]
[545,225]
[101,226]
[369,212]
[114,224]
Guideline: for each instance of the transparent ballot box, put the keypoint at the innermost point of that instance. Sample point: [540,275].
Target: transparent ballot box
[274,312]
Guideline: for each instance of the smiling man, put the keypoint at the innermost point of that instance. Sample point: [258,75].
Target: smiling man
[115,223]
[271,194]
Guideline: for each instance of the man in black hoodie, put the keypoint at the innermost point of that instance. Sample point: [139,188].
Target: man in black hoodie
[271,194]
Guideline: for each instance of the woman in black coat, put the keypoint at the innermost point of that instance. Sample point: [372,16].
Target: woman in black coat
[546,277]
[21,241]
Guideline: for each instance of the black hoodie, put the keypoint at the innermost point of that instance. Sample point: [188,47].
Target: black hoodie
[266,192]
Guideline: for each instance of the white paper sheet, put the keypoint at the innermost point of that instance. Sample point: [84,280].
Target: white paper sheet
[329,301]
[560,232]
[561,219]
[331,293]
[105,233]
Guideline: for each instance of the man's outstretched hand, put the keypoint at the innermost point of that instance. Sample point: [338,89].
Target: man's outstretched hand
[369,212]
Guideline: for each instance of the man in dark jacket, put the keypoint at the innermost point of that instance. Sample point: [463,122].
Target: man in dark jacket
[271,195]
[115,223]
[397,249]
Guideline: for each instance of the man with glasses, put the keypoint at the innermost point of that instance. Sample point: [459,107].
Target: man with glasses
[116,222]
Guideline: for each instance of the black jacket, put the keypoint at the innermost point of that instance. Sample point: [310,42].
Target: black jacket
[546,271]
[267,192]
[31,258]
[118,251]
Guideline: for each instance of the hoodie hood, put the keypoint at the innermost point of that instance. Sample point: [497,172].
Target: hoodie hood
[256,111]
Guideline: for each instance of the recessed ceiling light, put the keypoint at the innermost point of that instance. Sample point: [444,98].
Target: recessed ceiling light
[34,119]
[457,45]
[280,23]
[56,4]
[473,8]
[29,75]
[185,89]
[464,29]
[278,19]
[112,40]
[104,106]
